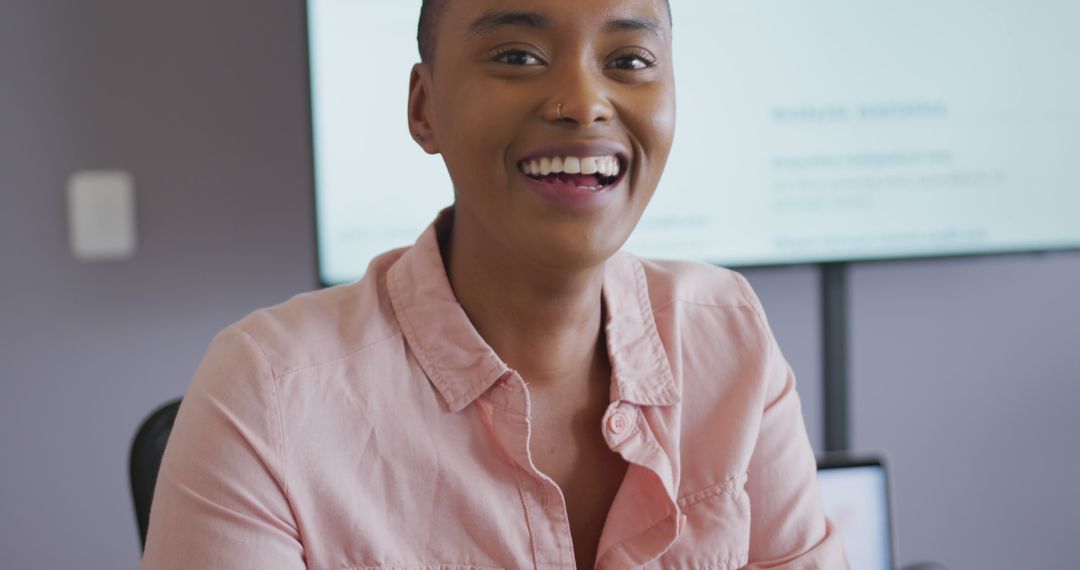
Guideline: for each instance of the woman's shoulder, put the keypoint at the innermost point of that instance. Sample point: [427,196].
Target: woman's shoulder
[325,325]
[674,282]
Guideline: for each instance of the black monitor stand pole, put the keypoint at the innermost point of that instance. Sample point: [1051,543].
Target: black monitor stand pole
[834,321]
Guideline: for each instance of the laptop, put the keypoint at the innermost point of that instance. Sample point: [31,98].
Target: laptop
[855,494]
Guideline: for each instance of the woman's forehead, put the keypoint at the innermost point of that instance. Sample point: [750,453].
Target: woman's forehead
[470,15]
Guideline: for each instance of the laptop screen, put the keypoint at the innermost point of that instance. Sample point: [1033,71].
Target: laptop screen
[856,499]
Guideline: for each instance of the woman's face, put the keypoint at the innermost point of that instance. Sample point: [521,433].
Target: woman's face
[555,119]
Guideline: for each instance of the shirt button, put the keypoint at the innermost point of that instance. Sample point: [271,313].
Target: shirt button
[618,423]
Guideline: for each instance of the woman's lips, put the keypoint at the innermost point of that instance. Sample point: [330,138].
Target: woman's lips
[603,166]
[577,175]
[577,184]
[593,173]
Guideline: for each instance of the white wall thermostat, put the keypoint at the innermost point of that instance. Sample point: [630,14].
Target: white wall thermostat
[101,215]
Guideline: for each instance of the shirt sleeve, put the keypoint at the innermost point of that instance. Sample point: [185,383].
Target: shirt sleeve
[788,526]
[221,499]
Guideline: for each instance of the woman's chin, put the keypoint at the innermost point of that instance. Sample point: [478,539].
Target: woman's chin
[575,252]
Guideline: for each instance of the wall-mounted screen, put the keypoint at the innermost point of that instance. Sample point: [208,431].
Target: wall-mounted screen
[807,132]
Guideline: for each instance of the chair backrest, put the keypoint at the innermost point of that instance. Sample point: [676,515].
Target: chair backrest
[145,460]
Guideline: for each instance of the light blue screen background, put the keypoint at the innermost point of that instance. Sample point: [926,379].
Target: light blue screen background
[808,131]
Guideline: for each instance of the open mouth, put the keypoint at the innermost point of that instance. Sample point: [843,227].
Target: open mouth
[592,173]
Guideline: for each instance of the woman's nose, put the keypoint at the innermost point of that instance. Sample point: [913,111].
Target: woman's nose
[581,99]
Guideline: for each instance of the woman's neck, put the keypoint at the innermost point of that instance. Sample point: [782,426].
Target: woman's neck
[544,322]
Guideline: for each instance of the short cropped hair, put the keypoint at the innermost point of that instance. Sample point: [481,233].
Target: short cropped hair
[430,12]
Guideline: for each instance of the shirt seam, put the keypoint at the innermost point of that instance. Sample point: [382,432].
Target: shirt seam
[648,320]
[495,366]
[518,473]
[290,371]
[409,331]
[433,566]
[727,486]
[762,323]
[740,306]
[277,406]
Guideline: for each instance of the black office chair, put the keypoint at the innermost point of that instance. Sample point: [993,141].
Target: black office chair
[145,460]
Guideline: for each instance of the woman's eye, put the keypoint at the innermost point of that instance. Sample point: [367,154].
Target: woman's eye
[517,57]
[632,63]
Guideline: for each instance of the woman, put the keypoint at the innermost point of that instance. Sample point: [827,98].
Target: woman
[511,391]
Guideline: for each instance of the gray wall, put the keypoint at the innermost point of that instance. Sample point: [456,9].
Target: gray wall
[964,370]
[204,102]
[968,373]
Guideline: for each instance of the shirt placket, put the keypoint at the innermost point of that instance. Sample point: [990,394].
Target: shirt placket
[641,497]
[507,412]
[644,520]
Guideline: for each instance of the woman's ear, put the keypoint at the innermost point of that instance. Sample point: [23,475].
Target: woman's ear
[420,111]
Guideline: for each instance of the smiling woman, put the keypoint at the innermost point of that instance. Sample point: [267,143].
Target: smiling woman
[511,391]
[509,83]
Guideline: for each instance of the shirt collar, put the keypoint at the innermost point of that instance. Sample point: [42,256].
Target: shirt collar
[640,370]
[461,365]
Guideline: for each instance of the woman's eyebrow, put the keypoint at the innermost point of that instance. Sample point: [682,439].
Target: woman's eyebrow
[495,19]
[634,25]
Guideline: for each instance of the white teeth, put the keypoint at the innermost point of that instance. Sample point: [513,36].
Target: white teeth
[606,166]
[572,165]
[589,166]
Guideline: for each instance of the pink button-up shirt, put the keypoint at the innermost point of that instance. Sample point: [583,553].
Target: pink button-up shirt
[370,426]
